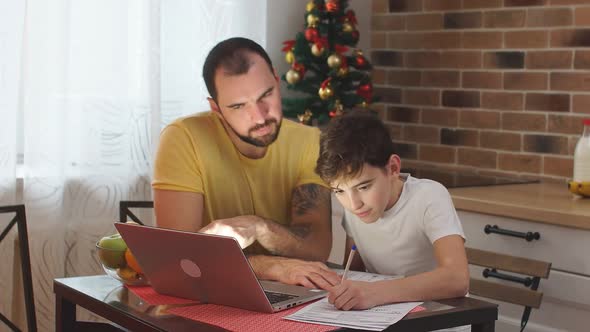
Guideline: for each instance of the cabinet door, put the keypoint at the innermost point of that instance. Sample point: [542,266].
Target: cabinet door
[566,248]
[566,299]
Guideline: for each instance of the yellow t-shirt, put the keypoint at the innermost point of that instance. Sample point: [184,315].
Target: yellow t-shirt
[196,155]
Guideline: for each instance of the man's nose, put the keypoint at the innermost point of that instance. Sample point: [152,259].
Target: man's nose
[258,113]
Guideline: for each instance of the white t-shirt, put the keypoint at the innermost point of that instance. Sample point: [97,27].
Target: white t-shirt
[401,242]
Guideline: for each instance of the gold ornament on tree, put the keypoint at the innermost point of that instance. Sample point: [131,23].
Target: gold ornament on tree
[325,92]
[338,109]
[347,27]
[289,57]
[334,61]
[305,117]
[317,49]
[343,71]
[312,20]
[310,6]
[292,76]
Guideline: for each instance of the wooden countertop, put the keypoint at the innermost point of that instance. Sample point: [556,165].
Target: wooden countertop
[549,203]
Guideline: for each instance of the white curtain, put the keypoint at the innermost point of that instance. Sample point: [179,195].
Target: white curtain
[85,88]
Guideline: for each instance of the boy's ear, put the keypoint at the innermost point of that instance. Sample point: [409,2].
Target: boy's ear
[394,164]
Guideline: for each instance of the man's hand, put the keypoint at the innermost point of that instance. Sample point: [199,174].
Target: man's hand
[245,229]
[295,272]
[357,295]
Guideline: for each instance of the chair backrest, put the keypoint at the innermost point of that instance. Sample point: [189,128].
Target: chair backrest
[531,271]
[125,206]
[20,220]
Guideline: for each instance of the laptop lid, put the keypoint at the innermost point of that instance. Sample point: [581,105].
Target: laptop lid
[203,267]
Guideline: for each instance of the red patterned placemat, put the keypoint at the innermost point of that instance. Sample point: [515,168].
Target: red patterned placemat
[230,318]
[235,319]
[149,295]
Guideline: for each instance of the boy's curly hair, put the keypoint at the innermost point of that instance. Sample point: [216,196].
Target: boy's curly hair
[350,141]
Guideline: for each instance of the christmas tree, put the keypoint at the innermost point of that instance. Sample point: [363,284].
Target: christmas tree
[330,73]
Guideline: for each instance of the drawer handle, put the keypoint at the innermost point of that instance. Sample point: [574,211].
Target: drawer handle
[493,273]
[529,236]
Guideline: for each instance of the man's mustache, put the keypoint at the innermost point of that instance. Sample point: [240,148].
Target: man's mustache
[262,125]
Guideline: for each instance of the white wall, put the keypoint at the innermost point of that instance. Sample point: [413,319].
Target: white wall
[284,19]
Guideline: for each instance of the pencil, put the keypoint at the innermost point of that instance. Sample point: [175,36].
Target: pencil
[350,256]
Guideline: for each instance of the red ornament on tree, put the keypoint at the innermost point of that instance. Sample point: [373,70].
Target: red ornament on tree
[355,35]
[288,45]
[338,109]
[311,34]
[361,62]
[365,91]
[299,67]
[332,5]
[343,70]
[325,55]
[350,17]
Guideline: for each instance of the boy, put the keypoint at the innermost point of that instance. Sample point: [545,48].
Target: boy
[400,225]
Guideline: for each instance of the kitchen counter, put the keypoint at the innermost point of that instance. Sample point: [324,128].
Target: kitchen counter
[544,202]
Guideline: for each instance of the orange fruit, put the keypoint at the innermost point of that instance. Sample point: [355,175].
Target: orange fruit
[131,262]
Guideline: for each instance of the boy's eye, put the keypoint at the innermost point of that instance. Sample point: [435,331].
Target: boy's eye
[337,191]
[236,107]
[266,94]
[365,187]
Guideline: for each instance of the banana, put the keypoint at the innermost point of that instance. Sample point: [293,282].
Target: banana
[573,187]
[584,189]
[579,188]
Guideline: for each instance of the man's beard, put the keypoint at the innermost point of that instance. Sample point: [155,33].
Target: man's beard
[262,141]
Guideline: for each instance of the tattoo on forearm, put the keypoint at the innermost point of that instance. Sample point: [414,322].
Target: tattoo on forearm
[301,230]
[308,197]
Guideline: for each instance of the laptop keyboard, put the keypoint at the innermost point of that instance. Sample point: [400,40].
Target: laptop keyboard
[278,297]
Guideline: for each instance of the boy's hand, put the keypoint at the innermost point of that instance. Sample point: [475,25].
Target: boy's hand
[357,295]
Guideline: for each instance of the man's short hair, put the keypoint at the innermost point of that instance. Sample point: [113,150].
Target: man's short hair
[351,141]
[231,55]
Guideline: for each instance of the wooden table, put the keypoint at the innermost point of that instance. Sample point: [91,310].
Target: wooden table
[107,298]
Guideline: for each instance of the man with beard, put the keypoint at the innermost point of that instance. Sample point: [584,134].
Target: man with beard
[241,170]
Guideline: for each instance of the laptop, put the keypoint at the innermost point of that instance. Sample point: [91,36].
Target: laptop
[207,268]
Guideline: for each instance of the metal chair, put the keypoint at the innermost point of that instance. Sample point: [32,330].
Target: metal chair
[531,270]
[20,220]
[125,212]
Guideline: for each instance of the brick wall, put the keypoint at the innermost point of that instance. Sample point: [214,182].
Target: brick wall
[501,86]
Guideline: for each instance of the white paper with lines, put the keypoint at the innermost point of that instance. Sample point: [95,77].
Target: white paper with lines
[375,319]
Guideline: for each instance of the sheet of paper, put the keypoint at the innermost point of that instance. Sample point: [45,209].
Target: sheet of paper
[375,319]
[365,276]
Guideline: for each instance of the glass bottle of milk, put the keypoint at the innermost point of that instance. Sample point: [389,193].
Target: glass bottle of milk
[582,155]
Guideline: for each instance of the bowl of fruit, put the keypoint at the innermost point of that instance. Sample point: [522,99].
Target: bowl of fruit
[118,261]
